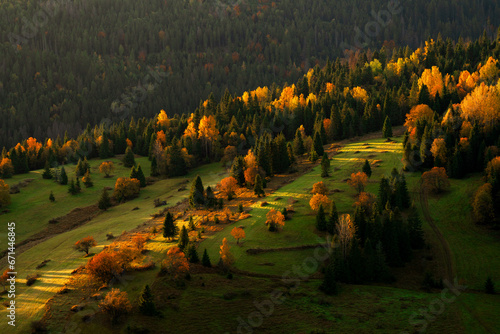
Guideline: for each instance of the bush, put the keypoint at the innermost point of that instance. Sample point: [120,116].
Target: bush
[38,326]
[31,279]
[115,304]
[126,188]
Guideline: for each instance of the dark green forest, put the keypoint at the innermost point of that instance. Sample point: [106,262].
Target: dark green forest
[66,64]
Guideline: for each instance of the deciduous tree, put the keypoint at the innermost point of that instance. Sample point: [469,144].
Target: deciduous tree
[317,200]
[358,181]
[228,186]
[175,263]
[115,304]
[107,167]
[225,253]
[126,188]
[4,193]
[275,220]
[435,180]
[320,188]
[85,244]
[238,233]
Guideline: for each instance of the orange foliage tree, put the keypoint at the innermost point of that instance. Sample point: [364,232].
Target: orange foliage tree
[4,193]
[115,304]
[275,220]
[345,233]
[228,186]
[482,105]
[319,199]
[107,167]
[435,180]
[319,188]
[139,242]
[103,267]
[433,79]
[250,174]
[238,233]
[438,150]
[365,200]
[6,168]
[225,254]
[418,112]
[126,188]
[207,131]
[358,181]
[163,120]
[85,244]
[175,263]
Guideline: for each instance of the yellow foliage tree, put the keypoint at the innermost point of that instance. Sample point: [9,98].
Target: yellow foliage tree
[358,181]
[418,112]
[238,233]
[175,263]
[126,188]
[489,72]
[275,220]
[225,254]
[163,120]
[319,188]
[319,199]
[4,193]
[207,131]
[438,149]
[107,167]
[482,105]
[345,232]
[433,79]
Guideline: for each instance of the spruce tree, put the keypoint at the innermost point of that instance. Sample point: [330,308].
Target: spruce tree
[238,170]
[129,158]
[193,254]
[205,261]
[211,199]
[104,201]
[169,227]
[183,238]
[318,144]
[387,128]
[146,302]
[140,176]
[176,165]
[329,285]
[298,144]
[197,196]
[104,150]
[291,155]
[321,219]
[63,177]
[367,169]
[47,174]
[325,166]
[154,167]
[258,187]
[333,219]
[416,234]
[51,197]
[71,188]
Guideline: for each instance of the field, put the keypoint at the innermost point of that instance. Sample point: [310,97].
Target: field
[213,303]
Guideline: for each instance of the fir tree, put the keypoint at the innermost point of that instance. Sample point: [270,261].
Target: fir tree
[387,128]
[325,166]
[63,177]
[298,144]
[313,156]
[140,176]
[402,191]
[384,192]
[367,169]
[191,223]
[238,170]
[197,196]
[78,187]
[489,286]
[104,151]
[279,153]
[176,165]
[71,188]
[183,238]
[154,167]
[333,219]
[205,261]
[169,227]
[104,201]
[129,158]
[329,285]
[258,188]
[291,155]
[318,144]
[321,223]
[211,199]
[47,173]
[51,197]
[146,302]
[193,254]
[415,232]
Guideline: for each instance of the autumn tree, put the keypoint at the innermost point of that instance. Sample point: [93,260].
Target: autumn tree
[85,244]
[439,152]
[275,220]
[419,113]
[226,257]
[126,188]
[4,193]
[482,106]
[358,181]
[433,80]
[116,304]
[250,174]
[7,169]
[197,193]
[106,168]
[319,188]
[104,201]
[104,267]
[317,200]
[238,233]
[325,166]
[345,233]
[139,242]
[228,187]
[169,227]
[175,263]
[435,180]
[483,206]
[3,278]
[207,132]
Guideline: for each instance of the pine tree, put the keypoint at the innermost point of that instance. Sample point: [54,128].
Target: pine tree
[193,254]
[205,261]
[258,188]
[169,227]
[238,170]
[367,169]
[183,238]
[279,153]
[333,219]
[197,196]
[71,188]
[211,199]
[489,286]
[146,302]
[321,223]
[191,224]
[63,177]
[104,201]
[329,285]
[325,166]
[415,232]
[47,173]
[129,158]
[104,150]
[51,197]
[387,128]
[298,144]
[154,167]
[318,144]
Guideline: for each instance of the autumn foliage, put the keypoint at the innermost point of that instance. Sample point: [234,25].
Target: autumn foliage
[107,167]
[275,220]
[104,267]
[319,188]
[435,180]
[85,244]
[225,254]
[418,113]
[319,199]
[228,186]
[126,188]
[358,181]
[175,264]
[238,233]
[4,193]
[115,304]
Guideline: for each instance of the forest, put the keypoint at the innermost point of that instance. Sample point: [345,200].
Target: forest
[74,63]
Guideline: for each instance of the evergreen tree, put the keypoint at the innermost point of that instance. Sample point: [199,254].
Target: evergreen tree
[104,201]
[47,173]
[402,191]
[146,302]
[63,177]
[87,180]
[205,261]
[298,144]
[78,187]
[154,167]
[104,150]
[489,286]
[367,169]
[193,254]
[197,196]
[140,176]
[329,285]
[291,155]
[169,227]
[191,223]
[176,165]
[211,199]
[321,219]
[416,234]
[318,144]
[183,238]
[325,166]
[333,219]
[313,156]
[258,188]
[72,188]
[238,170]
[387,128]
[51,197]
[129,158]
[384,192]
[279,153]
